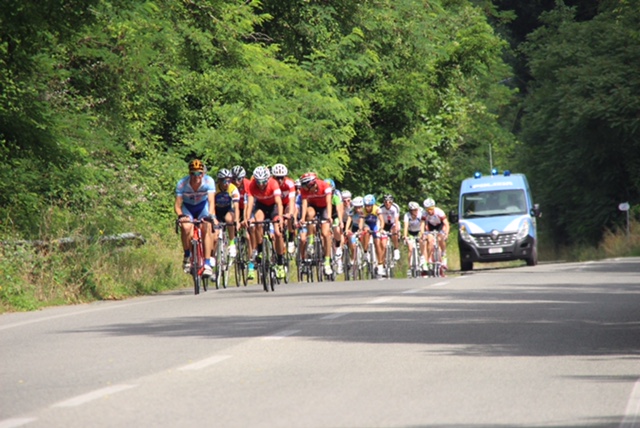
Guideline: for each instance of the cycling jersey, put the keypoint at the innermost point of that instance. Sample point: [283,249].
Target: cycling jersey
[288,189]
[226,198]
[242,188]
[266,196]
[391,214]
[434,221]
[371,218]
[317,199]
[195,203]
[414,223]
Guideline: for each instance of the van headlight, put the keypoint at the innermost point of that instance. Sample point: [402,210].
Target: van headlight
[523,231]
[464,234]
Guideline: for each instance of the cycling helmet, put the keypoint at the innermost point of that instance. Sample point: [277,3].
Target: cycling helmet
[196,165]
[261,173]
[413,206]
[369,200]
[298,185]
[388,197]
[429,203]
[224,173]
[279,170]
[307,178]
[331,182]
[358,201]
[238,172]
[346,194]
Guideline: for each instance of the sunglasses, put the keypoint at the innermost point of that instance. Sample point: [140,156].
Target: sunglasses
[197,173]
[227,181]
[346,200]
[261,182]
[310,185]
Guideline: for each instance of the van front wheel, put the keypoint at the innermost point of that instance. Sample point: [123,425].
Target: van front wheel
[466,266]
[533,260]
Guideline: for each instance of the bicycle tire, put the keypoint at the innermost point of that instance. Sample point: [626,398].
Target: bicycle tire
[346,263]
[265,261]
[319,256]
[195,269]
[241,261]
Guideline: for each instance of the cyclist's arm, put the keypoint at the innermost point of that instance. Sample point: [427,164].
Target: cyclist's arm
[445,227]
[328,198]
[177,207]
[405,233]
[348,224]
[211,196]
[340,211]
[303,210]
[248,208]
[278,199]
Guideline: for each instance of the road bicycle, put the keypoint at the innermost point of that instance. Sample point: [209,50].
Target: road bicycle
[370,258]
[223,261]
[318,252]
[304,266]
[415,269]
[435,267]
[266,261]
[354,264]
[197,258]
[241,261]
[389,262]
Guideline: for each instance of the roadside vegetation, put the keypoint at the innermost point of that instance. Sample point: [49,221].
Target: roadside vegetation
[103,103]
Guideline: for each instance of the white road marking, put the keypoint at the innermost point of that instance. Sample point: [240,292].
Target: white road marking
[379,300]
[440,284]
[205,363]
[415,290]
[334,316]
[280,335]
[632,412]
[85,398]
[15,422]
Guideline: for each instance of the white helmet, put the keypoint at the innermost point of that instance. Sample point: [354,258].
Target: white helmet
[346,194]
[413,206]
[429,203]
[261,173]
[279,170]
[358,201]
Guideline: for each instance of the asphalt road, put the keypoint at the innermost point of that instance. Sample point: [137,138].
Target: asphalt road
[554,345]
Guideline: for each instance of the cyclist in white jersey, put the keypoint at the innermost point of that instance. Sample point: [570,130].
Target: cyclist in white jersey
[436,219]
[414,226]
[390,212]
[195,199]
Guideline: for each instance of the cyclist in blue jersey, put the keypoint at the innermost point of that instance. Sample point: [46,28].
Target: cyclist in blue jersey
[195,195]
[372,219]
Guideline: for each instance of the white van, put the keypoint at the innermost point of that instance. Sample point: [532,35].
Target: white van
[497,220]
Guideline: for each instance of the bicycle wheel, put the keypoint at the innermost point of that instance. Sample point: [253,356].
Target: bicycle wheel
[219,264]
[346,263]
[265,265]
[195,266]
[319,257]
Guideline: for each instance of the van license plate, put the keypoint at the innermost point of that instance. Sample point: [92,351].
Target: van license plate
[495,250]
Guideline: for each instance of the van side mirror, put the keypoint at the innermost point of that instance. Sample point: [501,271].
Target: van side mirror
[535,211]
[453,216]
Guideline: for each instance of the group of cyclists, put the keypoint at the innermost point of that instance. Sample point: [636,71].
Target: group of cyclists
[296,207]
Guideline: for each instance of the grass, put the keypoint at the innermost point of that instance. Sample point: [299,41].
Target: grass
[32,278]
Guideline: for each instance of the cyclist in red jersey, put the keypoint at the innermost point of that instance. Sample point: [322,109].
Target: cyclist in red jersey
[265,201]
[242,183]
[288,188]
[316,202]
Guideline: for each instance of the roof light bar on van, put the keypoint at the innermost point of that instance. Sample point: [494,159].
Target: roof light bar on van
[507,173]
[477,174]
[494,171]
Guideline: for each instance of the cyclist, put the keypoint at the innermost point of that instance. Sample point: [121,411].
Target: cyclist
[195,198]
[436,219]
[337,222]
[265,201]
[316,203]
[414,226]
[353,215]
[372,219]
[227,207]
[288,189]
[391,214]
[242,183]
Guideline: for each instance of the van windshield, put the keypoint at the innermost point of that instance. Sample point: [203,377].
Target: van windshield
[491,204]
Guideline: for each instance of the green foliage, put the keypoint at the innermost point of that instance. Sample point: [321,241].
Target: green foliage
[582,128]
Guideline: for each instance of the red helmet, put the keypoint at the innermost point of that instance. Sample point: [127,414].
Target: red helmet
[307,179]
